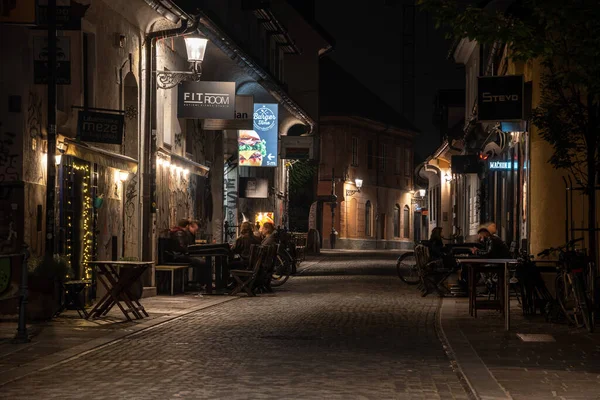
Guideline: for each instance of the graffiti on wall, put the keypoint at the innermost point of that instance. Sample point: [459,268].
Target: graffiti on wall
[33,170]
[9,156]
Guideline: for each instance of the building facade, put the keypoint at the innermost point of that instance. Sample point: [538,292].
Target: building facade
[363,143]
[117,196]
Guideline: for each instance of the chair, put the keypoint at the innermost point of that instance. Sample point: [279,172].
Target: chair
[72,290]
[245,278]
[432,274]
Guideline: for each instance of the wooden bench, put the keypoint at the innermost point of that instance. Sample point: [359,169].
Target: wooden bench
[166,277]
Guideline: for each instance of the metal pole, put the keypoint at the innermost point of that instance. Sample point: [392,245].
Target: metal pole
[333,204]
[22,336]
[50,163]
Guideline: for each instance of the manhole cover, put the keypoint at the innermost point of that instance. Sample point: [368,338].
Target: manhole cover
[535,337]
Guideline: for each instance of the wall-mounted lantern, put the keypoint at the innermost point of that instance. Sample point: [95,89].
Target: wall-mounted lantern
[195,47]
[358,183]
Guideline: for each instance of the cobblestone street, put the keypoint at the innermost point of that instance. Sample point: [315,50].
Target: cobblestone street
[345,328]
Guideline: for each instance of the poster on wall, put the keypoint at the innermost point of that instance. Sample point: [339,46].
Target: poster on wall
[230,200]
[258,147]
[254,188]
[63,60]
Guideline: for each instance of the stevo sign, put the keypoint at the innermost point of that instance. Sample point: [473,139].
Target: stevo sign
[500,98]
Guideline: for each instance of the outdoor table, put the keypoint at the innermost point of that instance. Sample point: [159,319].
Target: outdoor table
[118,287]
[475,263]
[217,256]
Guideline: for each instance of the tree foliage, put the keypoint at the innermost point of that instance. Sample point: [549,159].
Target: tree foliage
[564,36]
[301,174]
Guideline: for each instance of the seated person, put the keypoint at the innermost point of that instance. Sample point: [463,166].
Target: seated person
[494,247]
[243,244]
[182,236]
[269,234]
[436,245]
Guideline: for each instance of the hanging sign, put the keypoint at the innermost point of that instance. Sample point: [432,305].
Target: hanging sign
[63,60]
[244,109]
[200,100]
[68,13]
[258,147]
[100,127]
[502,165]
[500,98]
[297,147]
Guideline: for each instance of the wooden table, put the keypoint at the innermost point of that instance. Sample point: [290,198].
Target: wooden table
[217,256]
[118,287]
[470,262]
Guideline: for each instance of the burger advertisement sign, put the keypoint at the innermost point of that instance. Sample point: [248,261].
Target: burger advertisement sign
[258,147]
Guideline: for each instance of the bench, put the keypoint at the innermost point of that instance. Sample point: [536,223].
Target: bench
[167,279]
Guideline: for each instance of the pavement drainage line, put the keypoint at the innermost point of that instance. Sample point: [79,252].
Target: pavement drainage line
[110,342]
[462,376]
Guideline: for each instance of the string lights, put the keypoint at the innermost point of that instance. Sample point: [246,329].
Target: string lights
[87,240]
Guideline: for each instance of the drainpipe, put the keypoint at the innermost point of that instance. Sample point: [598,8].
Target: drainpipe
[188,24]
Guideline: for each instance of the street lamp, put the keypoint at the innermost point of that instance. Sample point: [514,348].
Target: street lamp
[195,47]
[358,183]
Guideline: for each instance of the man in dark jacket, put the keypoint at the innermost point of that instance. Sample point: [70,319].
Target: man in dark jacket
[182,236]
[494,247]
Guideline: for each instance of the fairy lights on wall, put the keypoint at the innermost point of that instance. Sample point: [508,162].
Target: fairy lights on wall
[87,240]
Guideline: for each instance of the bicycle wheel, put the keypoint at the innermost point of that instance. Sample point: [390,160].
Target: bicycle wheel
[564,297]
[582,303]
[407,268]
[283,268]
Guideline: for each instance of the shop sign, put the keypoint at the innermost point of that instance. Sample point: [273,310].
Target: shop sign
[17,12]
[258,147]
[254,188]
[500,98]
[502,165]
[40,60]
[68,13]
[231,197]
[200,100]
[100,127]
[297,147]
[244,110]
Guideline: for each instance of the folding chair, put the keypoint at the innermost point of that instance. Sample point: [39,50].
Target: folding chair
[265,272]
[432,274]
[245,278]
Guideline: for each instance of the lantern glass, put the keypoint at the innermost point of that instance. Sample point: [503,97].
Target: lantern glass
[195,47]
[358,183]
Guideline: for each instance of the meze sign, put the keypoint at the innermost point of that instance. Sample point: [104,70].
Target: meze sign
[200,100]
[100,127]
[258,147]
[500,98]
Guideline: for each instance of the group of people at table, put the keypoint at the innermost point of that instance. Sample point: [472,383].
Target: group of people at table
[184,235]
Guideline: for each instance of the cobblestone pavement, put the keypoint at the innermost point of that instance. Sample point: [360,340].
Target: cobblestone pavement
[346,328]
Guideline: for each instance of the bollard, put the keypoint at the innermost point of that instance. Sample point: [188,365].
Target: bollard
[22,336]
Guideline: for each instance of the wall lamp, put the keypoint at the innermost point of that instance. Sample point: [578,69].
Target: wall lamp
[195,47]
[123,176]
[358,183]
[447,177]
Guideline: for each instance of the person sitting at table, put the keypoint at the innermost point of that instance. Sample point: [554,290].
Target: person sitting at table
[243,243]
[436,245]
[182,236]
[494,247]
[269,234]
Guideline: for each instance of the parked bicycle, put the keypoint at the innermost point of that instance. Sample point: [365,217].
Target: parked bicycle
[570,284]
[287,259]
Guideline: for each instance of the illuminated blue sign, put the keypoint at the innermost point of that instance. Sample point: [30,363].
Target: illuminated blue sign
[258,147]
[502,165]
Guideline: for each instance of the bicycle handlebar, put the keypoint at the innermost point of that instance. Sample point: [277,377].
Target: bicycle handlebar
[547,251]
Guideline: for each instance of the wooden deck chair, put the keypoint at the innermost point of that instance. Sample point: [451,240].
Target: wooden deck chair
[245,278]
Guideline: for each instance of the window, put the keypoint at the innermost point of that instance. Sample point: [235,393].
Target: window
[406,222]
[382,156]
[398,169]
[368,210]
[407,162]
[396,220]
[370,154]
[355,151]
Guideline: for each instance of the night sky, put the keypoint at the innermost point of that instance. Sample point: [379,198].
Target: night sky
[368,45]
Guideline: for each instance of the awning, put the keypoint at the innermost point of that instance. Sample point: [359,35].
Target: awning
[193,167]
[98,156]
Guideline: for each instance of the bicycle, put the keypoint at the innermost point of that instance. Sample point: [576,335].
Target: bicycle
[570,284]
[286,260]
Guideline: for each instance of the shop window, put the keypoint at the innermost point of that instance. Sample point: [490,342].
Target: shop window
[396,220]
[406,222]
[368,219]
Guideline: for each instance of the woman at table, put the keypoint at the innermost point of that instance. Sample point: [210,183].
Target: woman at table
[244,242]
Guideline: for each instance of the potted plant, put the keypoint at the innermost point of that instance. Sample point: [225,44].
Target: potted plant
[44,284]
